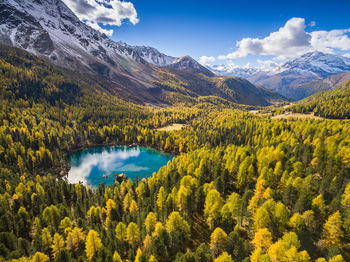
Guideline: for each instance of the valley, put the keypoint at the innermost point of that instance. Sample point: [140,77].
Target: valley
[213,167]
[227,162]
[298,78]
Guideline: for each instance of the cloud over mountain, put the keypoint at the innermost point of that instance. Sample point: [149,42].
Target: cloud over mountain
[112,12]
[290,41]
[204,60]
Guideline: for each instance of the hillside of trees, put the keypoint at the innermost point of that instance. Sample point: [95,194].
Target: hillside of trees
[334,104]
[241,187]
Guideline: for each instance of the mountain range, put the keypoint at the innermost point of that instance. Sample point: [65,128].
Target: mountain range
[298,78]
[51,31]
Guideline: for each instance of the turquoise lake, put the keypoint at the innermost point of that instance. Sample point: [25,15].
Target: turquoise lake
[98,164]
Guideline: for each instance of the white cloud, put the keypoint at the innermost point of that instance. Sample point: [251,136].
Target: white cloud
[325,41]
[248,65]
[231,65]
[205,60]
[105,161]
[347,55]
[268,65]
[234,55]
[220,67]
[228,67]
[290,41]
[106,12]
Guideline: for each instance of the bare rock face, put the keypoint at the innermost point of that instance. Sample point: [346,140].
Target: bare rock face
[50,30]
[24,31]
[188,64]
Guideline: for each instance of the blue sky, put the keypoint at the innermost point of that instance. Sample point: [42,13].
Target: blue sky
[212,28]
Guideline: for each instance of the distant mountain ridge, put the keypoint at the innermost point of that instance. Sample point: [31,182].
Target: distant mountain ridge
[50,30]
[296,78]
[227,70]
[318,64]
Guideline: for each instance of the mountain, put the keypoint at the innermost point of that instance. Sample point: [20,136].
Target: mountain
[317,64]
[314,86]
[330,104]
[190,65]
[298,78]
[154,57]
[305,75]
[244,92]
[228,70]
[50,30]
[151,55]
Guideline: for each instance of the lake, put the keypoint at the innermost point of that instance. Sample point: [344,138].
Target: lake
[98,164]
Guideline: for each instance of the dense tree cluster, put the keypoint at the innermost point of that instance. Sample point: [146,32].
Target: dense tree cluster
[241,188]
[334,104]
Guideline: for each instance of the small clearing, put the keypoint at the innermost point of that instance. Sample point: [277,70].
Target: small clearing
[172,127]
[297,115]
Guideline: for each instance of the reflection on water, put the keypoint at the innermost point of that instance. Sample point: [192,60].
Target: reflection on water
[96,165]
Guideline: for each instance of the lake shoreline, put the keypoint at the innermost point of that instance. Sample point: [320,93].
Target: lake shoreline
[98,164]
[62,171]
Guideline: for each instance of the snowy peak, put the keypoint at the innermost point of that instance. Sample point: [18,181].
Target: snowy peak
[229,70]
[292,78]
[188,64]
[153,56]
[314,64]
[319,64]
[49,29]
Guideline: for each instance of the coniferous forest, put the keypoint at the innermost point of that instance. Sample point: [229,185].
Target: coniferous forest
[242,187]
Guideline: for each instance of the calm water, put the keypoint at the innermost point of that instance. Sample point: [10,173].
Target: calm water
[89,165]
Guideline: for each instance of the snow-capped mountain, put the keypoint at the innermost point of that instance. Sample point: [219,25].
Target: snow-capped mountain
[188,64]
[315,64]
[152,55]
[228,70]
[49,29]
[291,78]
[318,64]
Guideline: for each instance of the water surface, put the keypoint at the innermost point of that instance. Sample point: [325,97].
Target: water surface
[98,164]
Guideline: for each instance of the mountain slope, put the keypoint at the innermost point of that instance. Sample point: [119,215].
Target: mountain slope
[333,103]
[317,64]
[234,89]
[314,86]
[298,78]
[50,30]
[188,64]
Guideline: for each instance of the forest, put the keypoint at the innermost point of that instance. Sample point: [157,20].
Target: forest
[242,187]
[333,104]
